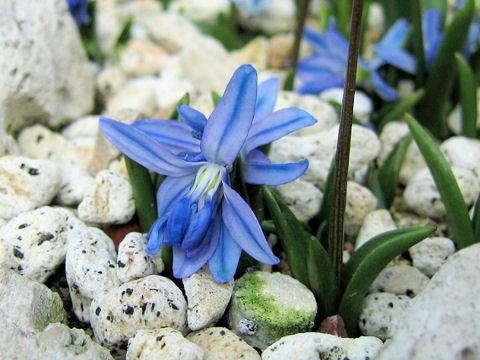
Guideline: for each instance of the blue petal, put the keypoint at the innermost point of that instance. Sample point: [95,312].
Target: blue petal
[184,266]
[432,37]
[198,226]
[277,125]
[321,63]
[155,236]
[318,84]
[395,36]
[244,227]
[315,39]
[266,98]
[144,149]
[386,92]
[227,126]
[473,38]
[224,261]
[177,136]
[396,57]
[172,189]
[178,221]
[192,117]
[261,173]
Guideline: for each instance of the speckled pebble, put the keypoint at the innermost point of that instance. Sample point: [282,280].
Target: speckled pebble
[207,300]
[89,267]
[400,280]
[148,303]
[266,306]
[219,343]
[303,198]
[375,223]
[362,108]
[109,201]
[132,260]
[360,202]
[86,126]
[109,81]
[421,194]
[26,184]
[379,311]
[38,141]
[462,152]
[36,241]
[430,254]
[391,134]
[162,344]
[75,183]
[310,346]
[137,94]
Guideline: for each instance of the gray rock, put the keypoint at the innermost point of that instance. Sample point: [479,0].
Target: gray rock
[266,306]
[26,184]
[89,267]
[375,223]
[303,198]
[36,242]
[322,346]
[400,280]
[207,300]
[108,201]
[55,342]
[430,254]
[162,344]
[148,303]
[360,202]
[378,313]
[46,76]
[219,343]
[27,304]
[132,260]
[443,321]
[422,196]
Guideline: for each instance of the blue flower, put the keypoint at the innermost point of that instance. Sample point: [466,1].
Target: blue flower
[327,66]
[78,9]
[253,7]
[433,36]
[199,214]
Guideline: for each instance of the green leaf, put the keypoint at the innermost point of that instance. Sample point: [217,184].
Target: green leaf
[389,173]
[365,265]
[446,183]
[185,100]
[215,98]
[289,81]
[143,194]
[415,17]
[321,277]
[373,184]
[468,97]
[476,220]
[293,237]
[397,111]
[431,111]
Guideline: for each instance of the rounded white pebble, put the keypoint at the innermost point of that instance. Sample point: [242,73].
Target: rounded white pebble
[430,254]
[360,202]
[375,223]
[400,280]
[303,198]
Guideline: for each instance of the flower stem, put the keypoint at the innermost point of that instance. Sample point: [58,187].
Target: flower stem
[337,212]
[302,12]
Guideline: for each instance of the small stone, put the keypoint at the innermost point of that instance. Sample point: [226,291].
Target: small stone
[333,325]
[26,184]
[254,52]
[219,343]
[75,183]
[362,108]
[169,90]
[110,81]
[142,58]
[322,346]
[303,198]
[443,322]
[8,145]
[277,17]
[86,126]
[375,223]
[430,254]
[400,280]
[31,306]
[266,306]
[89,267]
[422,196]
[36,242]
[162,344]
[164,28]
[280,51]
[378,313]
[109,201]
[462,152]
[137,94]
[132,260]
[360,202]
[39,142]
[197,11]
[454,118]
[391,134]
[207,300]
[148,303]
[413,163]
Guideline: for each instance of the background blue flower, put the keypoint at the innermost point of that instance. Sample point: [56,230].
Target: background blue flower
[199,214]
[78,9]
